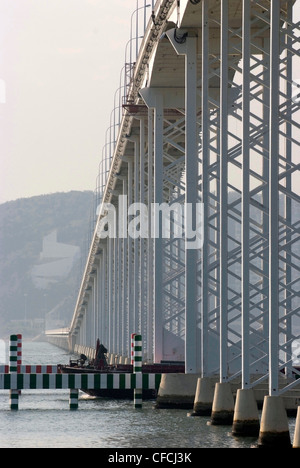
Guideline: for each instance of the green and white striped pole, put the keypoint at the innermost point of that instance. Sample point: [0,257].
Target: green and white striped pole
[13,369]
[13,354]
[73,402]
[132,348]
[137,369]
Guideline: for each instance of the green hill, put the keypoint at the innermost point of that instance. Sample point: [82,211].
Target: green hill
[42,248]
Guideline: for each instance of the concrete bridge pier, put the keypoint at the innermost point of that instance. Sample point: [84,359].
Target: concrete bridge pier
[204,397]
[274,429]
[246,418]
[296,442]
[223,405]
[177,391]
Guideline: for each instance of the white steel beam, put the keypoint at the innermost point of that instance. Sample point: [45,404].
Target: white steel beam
[187,46]
[150,253]
[224,194]
[154,100]
[191,197]
[205,371]
[246,197]
[274,200]
[158,242]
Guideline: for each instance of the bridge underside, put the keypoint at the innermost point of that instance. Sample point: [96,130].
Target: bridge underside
[211,121]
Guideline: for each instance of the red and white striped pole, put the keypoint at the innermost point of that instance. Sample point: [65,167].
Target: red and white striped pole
[19,353]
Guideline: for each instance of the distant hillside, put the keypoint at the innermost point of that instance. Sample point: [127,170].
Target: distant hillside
[41,251]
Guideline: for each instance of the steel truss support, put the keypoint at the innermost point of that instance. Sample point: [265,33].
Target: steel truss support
[227,136]
[266,119]
[169,260]
[189,49]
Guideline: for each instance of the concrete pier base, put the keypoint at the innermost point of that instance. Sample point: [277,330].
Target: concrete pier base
[296,442]
[223,405]
[274,428]
[177,391]
[204,397]
[246,418]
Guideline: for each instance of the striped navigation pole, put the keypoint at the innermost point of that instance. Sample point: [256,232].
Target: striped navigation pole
[74,397]
[137,369]
[73,402]
[19,353]
[19,356]
[132,348]
[13,369]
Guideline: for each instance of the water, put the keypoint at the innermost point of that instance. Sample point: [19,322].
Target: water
[45,421]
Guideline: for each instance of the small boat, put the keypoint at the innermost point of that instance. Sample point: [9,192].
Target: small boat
[100,366]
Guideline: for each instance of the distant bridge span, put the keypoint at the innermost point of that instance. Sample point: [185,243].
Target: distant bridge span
[210,116]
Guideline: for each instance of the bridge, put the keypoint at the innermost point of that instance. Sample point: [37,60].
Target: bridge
[195,243]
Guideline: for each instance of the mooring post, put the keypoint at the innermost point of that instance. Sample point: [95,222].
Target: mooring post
[13,369]
[19,353]
[132,348]
[137,369]
[73,402]
[19,356]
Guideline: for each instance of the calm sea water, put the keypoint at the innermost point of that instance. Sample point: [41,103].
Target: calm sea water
[45,421]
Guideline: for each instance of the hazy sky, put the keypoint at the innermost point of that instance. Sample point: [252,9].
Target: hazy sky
[60,63]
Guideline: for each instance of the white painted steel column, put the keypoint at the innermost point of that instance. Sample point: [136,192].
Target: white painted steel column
[224,194]
[100,296]
[158,241]
[205,189]
[105,302]
[265,195]
[188,46]
[125,340]
[96,308]
[142,241]
[119,303]
[154,100]
[191,195]
[136,243]
[88,319]
[274,201]
[246,196]
[150,317]
[115,322]
[110,260]
[130,261]
[84,320]
[288,184]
